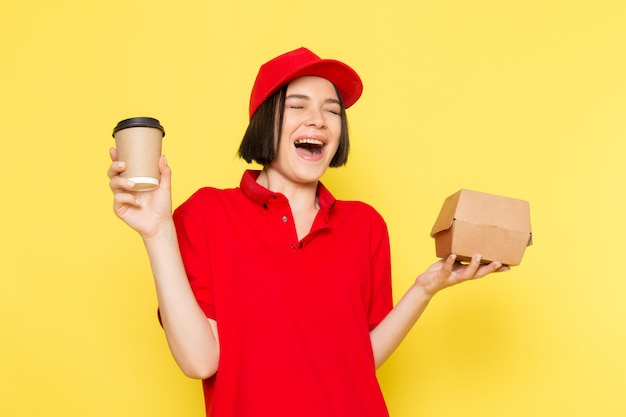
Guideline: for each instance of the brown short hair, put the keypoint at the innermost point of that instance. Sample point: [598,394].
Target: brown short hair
[266,124]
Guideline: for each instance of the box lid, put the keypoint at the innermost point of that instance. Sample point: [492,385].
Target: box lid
[486,209]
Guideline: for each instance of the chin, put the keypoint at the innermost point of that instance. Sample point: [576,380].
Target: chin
[310,175]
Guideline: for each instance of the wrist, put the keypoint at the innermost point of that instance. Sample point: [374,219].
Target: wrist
[165,230]
[420,292]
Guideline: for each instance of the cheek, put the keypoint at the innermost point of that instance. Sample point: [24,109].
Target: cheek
[336,131]
[334,146]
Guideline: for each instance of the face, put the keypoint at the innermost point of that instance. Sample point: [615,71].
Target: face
[310,132]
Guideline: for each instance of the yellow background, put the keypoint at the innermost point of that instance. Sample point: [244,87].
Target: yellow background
[521,98]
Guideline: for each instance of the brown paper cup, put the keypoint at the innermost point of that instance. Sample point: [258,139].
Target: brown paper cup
[138,141]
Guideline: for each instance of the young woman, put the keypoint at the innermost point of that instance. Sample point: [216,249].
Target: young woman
[274,293]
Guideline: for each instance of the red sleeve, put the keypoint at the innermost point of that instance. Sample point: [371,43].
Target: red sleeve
[381,301]
[191,229]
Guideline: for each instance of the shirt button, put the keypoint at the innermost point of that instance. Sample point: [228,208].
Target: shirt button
[285,219]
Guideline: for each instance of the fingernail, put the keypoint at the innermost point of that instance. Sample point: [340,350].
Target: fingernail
[130,183]
[165,159]
[497,265]
[121,164]
[479,258]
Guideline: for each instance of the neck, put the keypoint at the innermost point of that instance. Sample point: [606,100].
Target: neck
[301,196]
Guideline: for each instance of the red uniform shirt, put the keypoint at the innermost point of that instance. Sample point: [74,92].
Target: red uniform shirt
[293,316]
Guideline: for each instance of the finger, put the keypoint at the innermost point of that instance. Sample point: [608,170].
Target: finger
[119,184]
[116,168]
[448,265]
[166,173]
[113,154]
[125,199]
[495,266]
[472,267]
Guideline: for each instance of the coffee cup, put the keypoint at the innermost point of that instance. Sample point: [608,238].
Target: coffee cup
[138,141]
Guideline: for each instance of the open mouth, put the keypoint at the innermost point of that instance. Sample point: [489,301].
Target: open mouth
[309,146]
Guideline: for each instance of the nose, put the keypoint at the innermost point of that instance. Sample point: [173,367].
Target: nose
[315,118]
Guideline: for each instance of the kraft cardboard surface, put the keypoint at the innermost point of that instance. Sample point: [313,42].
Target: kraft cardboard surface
[472,222]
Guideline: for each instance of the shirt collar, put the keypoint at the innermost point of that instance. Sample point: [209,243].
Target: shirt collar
[262,196]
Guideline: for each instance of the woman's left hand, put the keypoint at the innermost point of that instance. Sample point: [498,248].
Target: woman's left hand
[448,272]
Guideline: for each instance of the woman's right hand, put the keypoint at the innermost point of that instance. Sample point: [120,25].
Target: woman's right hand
[144,211]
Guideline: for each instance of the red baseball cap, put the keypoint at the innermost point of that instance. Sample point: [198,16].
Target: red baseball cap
[300,63]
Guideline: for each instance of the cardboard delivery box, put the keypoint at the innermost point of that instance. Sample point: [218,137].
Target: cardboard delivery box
[472,222]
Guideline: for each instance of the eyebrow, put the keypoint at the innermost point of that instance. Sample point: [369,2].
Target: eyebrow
[305,97]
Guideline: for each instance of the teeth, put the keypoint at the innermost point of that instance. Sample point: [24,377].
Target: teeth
[309,141]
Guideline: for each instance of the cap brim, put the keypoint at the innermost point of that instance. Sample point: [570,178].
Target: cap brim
[341,75]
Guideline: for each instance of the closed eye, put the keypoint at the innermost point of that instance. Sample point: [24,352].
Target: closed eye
[298,102]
